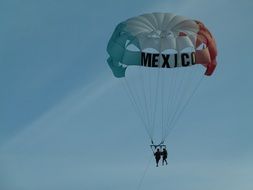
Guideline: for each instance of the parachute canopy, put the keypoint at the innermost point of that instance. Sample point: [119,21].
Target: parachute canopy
[161,59]
[164,34]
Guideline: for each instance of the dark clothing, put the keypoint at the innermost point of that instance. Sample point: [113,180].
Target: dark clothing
[157,155]
[164,155]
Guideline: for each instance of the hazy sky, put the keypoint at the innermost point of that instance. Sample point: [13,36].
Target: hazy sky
[66,122]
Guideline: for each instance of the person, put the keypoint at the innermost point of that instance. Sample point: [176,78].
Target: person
[157,155]
[164,154]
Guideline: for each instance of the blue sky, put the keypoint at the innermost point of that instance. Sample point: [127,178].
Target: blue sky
[66,122]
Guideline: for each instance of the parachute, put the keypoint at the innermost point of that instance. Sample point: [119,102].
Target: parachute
[161,59]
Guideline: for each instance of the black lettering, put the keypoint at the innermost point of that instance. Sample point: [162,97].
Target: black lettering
[146,59]
[155,60]
[185,59]
[193,58]
[175,59]
[166,60]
